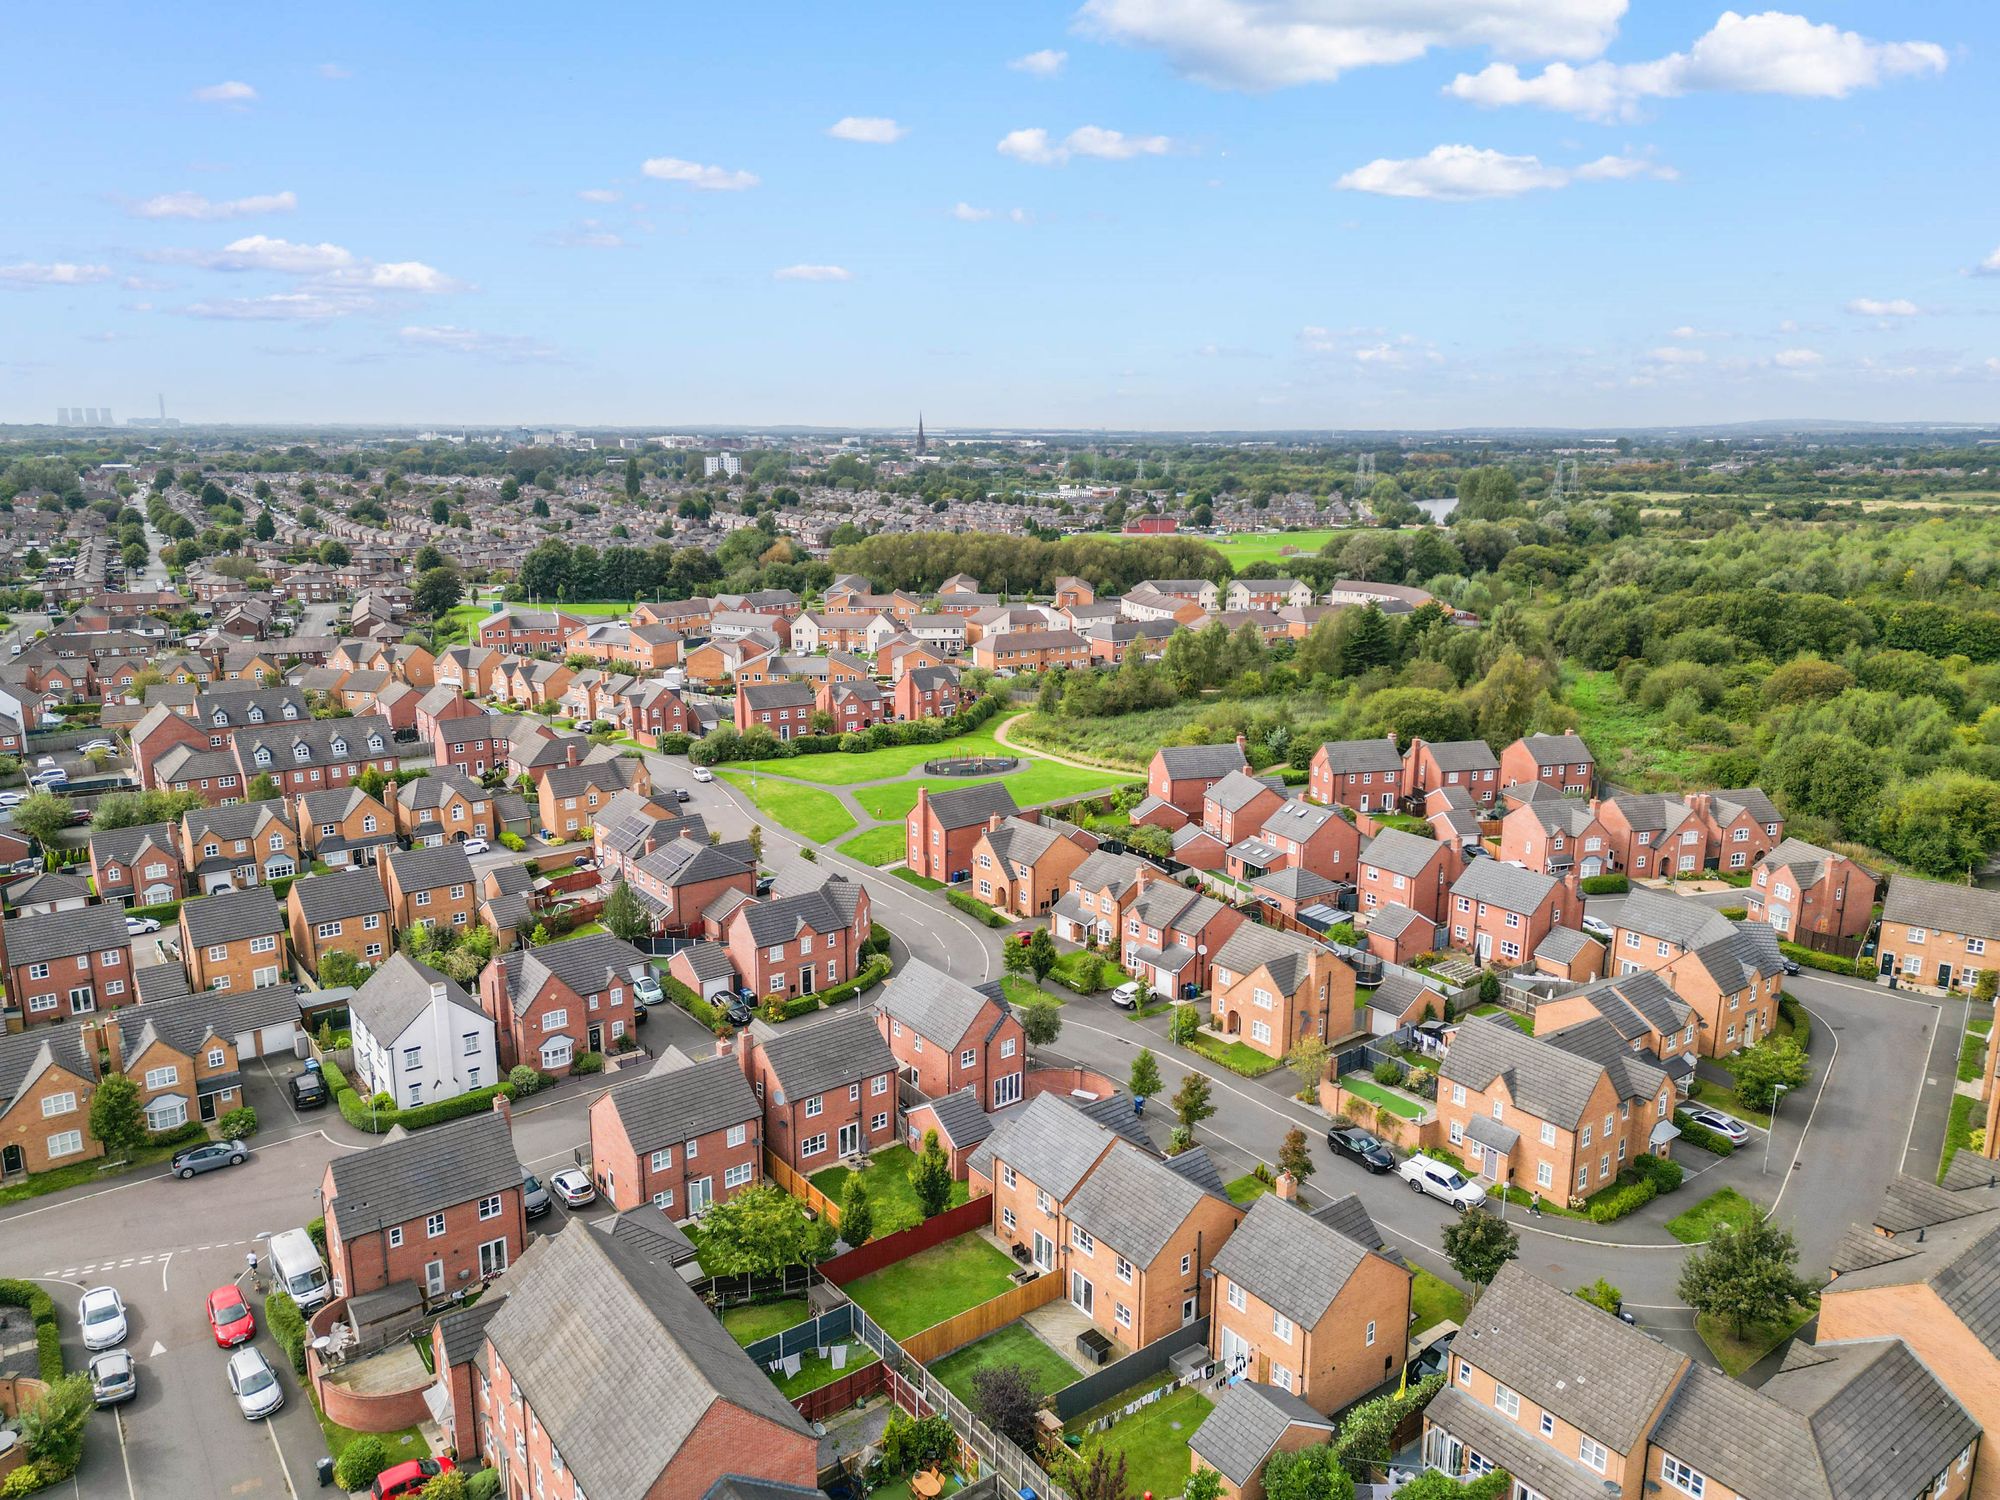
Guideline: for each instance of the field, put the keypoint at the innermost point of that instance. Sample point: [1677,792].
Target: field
[1127,740]
[805,810]
[877,765]
[878,846]
[1037,782]
[1626,738]
[458,624]
[1245,547]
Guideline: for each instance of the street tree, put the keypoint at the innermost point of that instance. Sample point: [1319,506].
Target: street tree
[1774,1063]
[1478,1245]
[1042,954]
[1191,1102]
[117,1115]
[1307,1060]
[1041,1021]
[1145,1081]
[1747,1275]
[1293,1156]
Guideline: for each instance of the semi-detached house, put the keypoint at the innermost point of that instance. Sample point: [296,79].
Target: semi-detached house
[947,1036]
[1501,913]
[688,1134]
[1937,933]
[66,964]
[1366,775]
[828,1091]
[345,912]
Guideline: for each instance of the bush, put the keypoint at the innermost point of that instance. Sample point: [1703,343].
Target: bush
[1702,1136]
[512,842]
[1388,1074]
[1734,913]
[360,1461]
[41,1307]
[1665,1175]
[181,1135]
[1800,1022]
[587,1062]
[485,1485]
[166,911]
[689,1001]
[383,1116]
[524,1079]
[288,1327]
[1812,958]
[238,1123]
[974,908]
[876,970]
[1604,885]
[1616,1202]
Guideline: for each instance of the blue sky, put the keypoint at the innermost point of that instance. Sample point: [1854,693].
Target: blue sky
[1123,213]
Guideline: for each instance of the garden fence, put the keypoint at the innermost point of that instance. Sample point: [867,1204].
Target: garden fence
[726,1291]
[854,1264]
[1072,1401]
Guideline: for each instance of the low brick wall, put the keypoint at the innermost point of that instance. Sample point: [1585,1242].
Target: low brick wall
[1404,1134]
[377,1411]
[1067,1080]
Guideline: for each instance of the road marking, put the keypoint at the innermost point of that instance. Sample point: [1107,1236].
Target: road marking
[271,1427]
[125,1454]
[165,1261]
[157,1350]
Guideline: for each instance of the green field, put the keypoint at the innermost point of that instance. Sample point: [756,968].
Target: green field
[805,810]
[1245,547]
[1037,782]
[1629,740]
[839,769]
[878,846]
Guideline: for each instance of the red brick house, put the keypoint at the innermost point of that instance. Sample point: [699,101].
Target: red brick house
[828,1091]
[854,706]
[439,1207]
[946,1036]
[1298,834]
[1172,935]
[1031,651]
[1404,869]
[430,886]
[1020,864]
[1236,806]
[1500,914]
[651,709]
[66,964]
[1556,835]
[688,1134]
[549,1003]
[1183,774]
[926,693]
[1366,775]
[1650,834]
[785,709]
[942,830]
[1467,763]
[473,742]
[799,944]
[515,631]
[1811,895]
[137,866]
[1740,827]
[1561,761]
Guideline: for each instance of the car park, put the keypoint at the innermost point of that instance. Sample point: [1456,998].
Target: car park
[101,1313]
[230,1318]
[258,1393]
[534,1197]
[477,846]
[140,926]
[573,1188]
[1126,996]
[1728,1127]
[1440,1180]
[399,1480]
[702,773]
[208,1157]
[114,1377]
[647,990]
[1358,1145]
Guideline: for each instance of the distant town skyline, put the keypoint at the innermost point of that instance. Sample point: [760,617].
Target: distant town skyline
[1123,214]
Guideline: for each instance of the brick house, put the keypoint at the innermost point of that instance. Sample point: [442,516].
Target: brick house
[1649,834]
[439,706]
[652,709]
[1471,764]
[1733,982]
[247,844]
[1658,1025]
[344,826]
[1310,1303]
[926,693]
[854,706]
[1500,914]
[1366,775]
[1300,835]
[1031,651]
[681,877]
[471,744]
[1098,892]
[1267,593]
[445,807]
[431,886]
[785,709]
[514,631]
[1651,928]
[1182,774]
[1938,933]
[942,829]
[1020,865]
[1398,868]
[1031,1167]
[571,796]
[799,944]
[466,669]
[1560,1115]
[828,1091]
[549,1003]
[137,866]
[688,1134]
[439,1207]
[345,912]
[1249,1424]
[1237,805]
[947,1036]
[1556,835]
[325,752]
[1561,761]
[1274,989]
[1739,826]
[233,940]
[61,965]
[1172,935]
[1811,895]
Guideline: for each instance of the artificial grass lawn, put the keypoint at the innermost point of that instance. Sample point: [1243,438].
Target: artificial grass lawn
[1247,1189]
[805,810]
[1020,990]
[815,1372]
[1526,1023]
[1155,1442]
[1695,1225]
[921,882]
[1433,1300]
[889,1192]
[1018,1345]
[1381,1098]
[759,1320]
[1238,1057]
[1736,1355]
[877,846]
[932,1285]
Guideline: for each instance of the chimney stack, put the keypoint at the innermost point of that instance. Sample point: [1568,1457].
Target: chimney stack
[1287,1187]
[504,1108]
[438,991]
[569,753]
[1243,744]
[992,822]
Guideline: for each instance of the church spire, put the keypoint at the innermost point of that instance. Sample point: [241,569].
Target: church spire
[920,432]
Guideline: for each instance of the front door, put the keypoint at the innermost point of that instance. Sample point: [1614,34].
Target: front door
[207,1106]
[1082,1293]
[701,1193]
[12,1161]
[1944,976]
[850,1139]
[595,1038]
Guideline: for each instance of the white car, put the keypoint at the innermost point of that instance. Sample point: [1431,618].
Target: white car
[648,991]
[702,773]
[1441,1180]
[1126,996]
[139,926]
[476,846]
[1728,1126]
[573,1188]
[89,745]
[12,799]
[101,1311]
[1597,927]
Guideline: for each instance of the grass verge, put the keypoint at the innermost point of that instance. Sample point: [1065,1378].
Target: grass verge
[1695,1225]
[1020,990]
[1958,1131]
[876,846]
[806,810]
[921,882]
[1737,1353]
[1239,1057]
[1433,1300]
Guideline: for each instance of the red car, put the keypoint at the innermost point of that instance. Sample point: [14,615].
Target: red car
[408,1478]
[230,1318]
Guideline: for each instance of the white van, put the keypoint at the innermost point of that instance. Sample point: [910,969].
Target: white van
[296,1264]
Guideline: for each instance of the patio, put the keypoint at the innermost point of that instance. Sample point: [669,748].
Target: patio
[1059,1322]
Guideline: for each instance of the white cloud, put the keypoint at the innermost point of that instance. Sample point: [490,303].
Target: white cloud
[1316,340]
[509,348]
[394,276]
[1879,307]
[258,252]
[1460,174]
[52,273]
[695,175]
[867,130]
[1266,44]
[295,307]
[334,70]
[965,213]
[1043,64]
[1768,53]
[1991,265]
[1673,354]
[1038,148]
[598,195]
[195,206]
[331,272]
[813,273]
[1797,359]
[232,92]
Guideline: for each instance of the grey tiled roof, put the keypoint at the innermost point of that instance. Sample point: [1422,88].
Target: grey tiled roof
[1808,860]
[1545,1469]
[1650,811]
[465,1328]
[1503,885]
[963,806]
[961,1119]
[1632,1003]
[651,1233]
[121,844]
[1462,755]
[1293,1260]
[421,1172]
[1102,869]
[1685,923]
[1236,791]
[1294,883]
[1236,1437]
[812,1059]
[1017,841]
[241,820]
[1285,954]
[401,990]
[587,965]
[342,894]
[1556,749]
[427,869]
[936,1006]
[227,916]
[775,922]
[1942,905]
[671,1105]
[1400,852]
[1565,945]
[1748,951]
[1881,1422]
[1133,1203]
[1634,1075]
[709,960]
[1186,762]
[1750,799]
[1544,1082]
[1048,1142]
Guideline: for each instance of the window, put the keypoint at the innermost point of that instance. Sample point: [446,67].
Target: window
[1124,1315]
[878,1122]
[1548,1134]
[1044,1202]
[662,1160]
[413,1059]
[1124,1269]
[1544,1175]
[1680,1476]
[1260,1031]
[1081,1238]
[664,1199]
[1007,1175]
[1464,1373]
[422,898]
[815,1105]
[1457,1133]
[1507,1401]
[1458,1093]
[1187,1264]
[1281,1327]
[370,923]
[1591,1452]
[879,1084]
[1236,1298]
[737,1135]
[967,1057]
[434,1226]
[1007,1218]
[555,1020]
[162,1078]
[813,1145]
[395,1239]
[327,930]
[690,1148]
[1584,1139]
[489,1207]
[1548,1425]
[58,1104]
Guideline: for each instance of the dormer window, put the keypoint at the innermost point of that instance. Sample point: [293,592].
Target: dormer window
[291,710]
[219,717]
[374,744]
[302,752]
[262,756]
[256,714]
[340,747]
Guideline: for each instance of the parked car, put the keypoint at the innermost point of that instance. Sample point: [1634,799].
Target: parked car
[476,846]
[139,926]
[585,862]
[680,794]
[1358,1145]
[534,1197]
[89,745]
[308,1089]
[208,1156]
[1126,996]
[114,1377]
[1597,927]
[1435,1352]
[407,1478]
[573,1188]
[101,1312]
[1789,965]
[255,1383]
[1727,1126]
[741,1010]
[1440,1180]
[230,1318]
[648,990]
[702,773]
[43,781]
[12,799]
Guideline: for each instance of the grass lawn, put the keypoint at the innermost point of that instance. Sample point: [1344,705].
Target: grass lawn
[1017,1344]
[1972,1051]
[1238,1057]
[1155,1442]
[1433,1300]
[1526,1023]
[877,846]
[1736,1355]
[1110,976]
[1958,1131]
[899,1489]
[1242,547]
[407,1444]
[921,882]
[56,1180]
[806,810]
[1723,1206]
[1381,1098]
[889,1190]
[895,799]
[759,1320]
[1036,782]
[585,930]
[839,769]
[815,1372]
[1020,990]
[1247,1189]
[933,1285]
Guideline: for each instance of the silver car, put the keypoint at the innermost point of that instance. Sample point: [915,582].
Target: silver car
[534,1197]
[113,1377]
[101,1311]
[255,1383]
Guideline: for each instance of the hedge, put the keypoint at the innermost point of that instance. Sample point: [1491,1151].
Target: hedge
[1702,1136]
[1733,913]
[181,1135]
[1604,885]
[40,1306]
[1616,1202]
[688,1000]
[381,1119]
[876,970]
[1830,963]
[166,911]
[977,909]
[1795,1013]
[288,1327]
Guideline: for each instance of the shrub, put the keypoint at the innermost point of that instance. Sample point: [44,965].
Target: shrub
[288,1327]
[974,908]
[1665,1175]
[1812,958]
[1388,1074]
[587,1062]
[1604,885]
[512,842]
[689,1001]
[1626,1197]
[524,1079]
[874,972]
[485,1485]
[1801,1023]
[238,1123]
[180,1135]
[1702,1136]
[360,1461]
[1734,913]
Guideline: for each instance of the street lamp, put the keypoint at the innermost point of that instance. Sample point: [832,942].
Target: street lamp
[1778,1093]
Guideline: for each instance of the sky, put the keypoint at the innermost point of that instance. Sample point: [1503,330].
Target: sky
[1154,214]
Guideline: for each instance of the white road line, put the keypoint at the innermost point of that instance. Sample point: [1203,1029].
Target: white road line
[271,1427]
[165,1261]
[1925,1080]
[125,1455]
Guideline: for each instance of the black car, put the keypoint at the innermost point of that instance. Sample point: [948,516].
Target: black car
[1434,1357]
[1789,965]
[1360,1146]
[741,1012]
[308,1090]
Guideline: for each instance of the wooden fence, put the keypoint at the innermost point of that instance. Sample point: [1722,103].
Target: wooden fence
[839,1395]
[940,1339]
[804,1191]
[873,1256]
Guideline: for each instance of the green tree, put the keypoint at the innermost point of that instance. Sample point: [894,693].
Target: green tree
[931,1176]
[1293,1155]
[52,1429]
[1042,954]
[1312,1473]
[1101,1476]
[335,554]
[756,842]
[1367,643]
[1184,1025]
[132,809]
[263,787]
[1435,1484]
[264,528]
[1307,1060]
[1601,1293]
[339,970]
[1944,824]
[118,1116]
[1145,1081]
[1747,1276]
[1191,1102]
[1204,1483]
[625,915]
[1774,1063]
[757,1230]
[857,1214]
[1478,1245]
[1009,1403]
[438,591]
[1041,1021]
[42,817]
[632,479]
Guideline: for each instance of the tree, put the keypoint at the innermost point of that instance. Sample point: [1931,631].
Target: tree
[1145,1081]
[625,915]
[1478,1245]
[857,1214]
[334,553]
[1435,1484]
[1006,1400]
[1042,954]
[263,788]
[438,591]
[360,1461]
[757,1230]
[757,842]
[1014,958]
[117,1116]
[1191,1102]
[264,528]
[1183,1025]
[1746,1275]
[1775,1062]
[1204,1483]
[1307,1060]
[1041,1020]
[52,1429]
[931,1177]
[631,479]
[131,809]
[339,970]
[1601,1293]
[1309,1474]
[1101,1476]
[42,817]
[1293,1156]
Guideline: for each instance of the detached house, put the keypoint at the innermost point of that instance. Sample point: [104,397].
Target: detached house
[1811,895]
[230,848]
[1501,914]
[430,886]
[1172,935]
[418,1037]
[472,743]
[571,796]
[137,866]
[799,944]
[1938,933]
[1274,989]
[1740,826]
[1470,764]
[233,940]
[1298,835]
[688,1134]
[1651,835]
[1031,1166]
[1020,865]
[1099,890]
[1659,1026]
[1237,805]
[345,912]
[345,826]
[1556,835]
[942,830]
[1561,761]
[1404,869]
[785,709]
[1366,775]
[1183,774]
[947,1036]
[926,693]
[828,1091]
[549,1003]
[66,964]
[445,807]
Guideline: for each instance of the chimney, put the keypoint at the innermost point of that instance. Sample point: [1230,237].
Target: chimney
[1287,1187]
[746,1053]
[569,753]
[438,992]
[504,1108]
[651,842]
[992,822]
[724,1045]
[1243,744]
